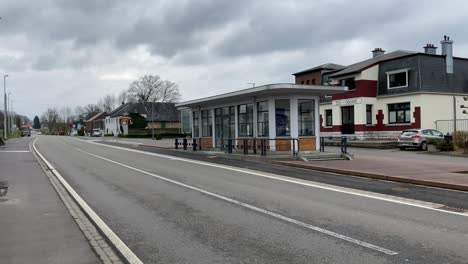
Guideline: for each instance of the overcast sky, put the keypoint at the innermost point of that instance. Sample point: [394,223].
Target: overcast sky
[68,53]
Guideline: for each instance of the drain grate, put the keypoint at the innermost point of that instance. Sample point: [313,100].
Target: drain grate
[454,209]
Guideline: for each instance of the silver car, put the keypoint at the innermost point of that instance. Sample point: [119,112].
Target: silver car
[418,138]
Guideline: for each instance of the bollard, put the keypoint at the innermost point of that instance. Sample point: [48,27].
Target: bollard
[322,144]
[344,145]
[176,143]
[263,147]
[254,146]
[194,144]
[3,188]
[185,144]
[246,146]
[294,146]
[229,146]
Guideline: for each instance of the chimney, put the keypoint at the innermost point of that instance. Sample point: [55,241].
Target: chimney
[430,49]
[377,52]
[448,53]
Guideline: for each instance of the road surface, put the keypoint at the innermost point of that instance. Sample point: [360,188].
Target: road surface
[171,210]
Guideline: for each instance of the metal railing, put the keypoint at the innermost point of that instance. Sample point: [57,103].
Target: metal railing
[343,143]
[259,145]
[446,126]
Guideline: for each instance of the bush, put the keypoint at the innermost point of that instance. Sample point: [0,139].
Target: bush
[445,145]
[460,139]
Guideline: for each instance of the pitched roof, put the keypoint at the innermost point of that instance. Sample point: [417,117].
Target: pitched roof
[162,111]
[362,65]
[326,66]
[97,116]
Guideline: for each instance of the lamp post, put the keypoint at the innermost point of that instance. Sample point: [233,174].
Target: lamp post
[9,113]
[5,107]
[152,118]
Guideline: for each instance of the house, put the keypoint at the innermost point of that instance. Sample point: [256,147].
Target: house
[164,119]
[393,91]
[96,122]
[286,115]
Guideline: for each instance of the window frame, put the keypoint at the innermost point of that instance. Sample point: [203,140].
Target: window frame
[343,83]
[264,125]
[196,124]
[287,124]
[406,70]
[300,113]
[326,117]
[248,120]
[397,113]
[206,115]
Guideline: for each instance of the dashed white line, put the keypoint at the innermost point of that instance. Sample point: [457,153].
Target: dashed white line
[329,187]
[251,207]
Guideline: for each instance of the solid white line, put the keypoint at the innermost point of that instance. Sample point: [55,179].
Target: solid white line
[14,151]
[251,207]
[329,187]
[111,236]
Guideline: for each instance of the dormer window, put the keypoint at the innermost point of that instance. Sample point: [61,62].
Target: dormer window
[349,82]
[397,79]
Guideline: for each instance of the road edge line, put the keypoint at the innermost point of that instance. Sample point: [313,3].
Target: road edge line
[118,245]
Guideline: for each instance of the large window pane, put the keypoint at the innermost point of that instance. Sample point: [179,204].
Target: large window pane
[306,117]
[207,123]
[262,119]
[245,119]
[196,124]
[282,114]
[399,113]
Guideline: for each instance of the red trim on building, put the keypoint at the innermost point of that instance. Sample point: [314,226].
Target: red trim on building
[364,88]
[380,126]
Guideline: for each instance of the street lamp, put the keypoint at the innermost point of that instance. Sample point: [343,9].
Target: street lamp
[152,118]
[5,107]
[9,112]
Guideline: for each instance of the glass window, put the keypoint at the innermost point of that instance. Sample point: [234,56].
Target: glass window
[282,109]
[306,113]
[196,124]
[328,118]
[369,114]
[207,123]
[245,116]
[399,79]
[399,113]
[350,82]
[262,119]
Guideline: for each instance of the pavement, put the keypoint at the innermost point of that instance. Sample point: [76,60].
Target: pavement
[35,226]
[168,209]
[395,165]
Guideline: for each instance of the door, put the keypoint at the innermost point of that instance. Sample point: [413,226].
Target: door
[347,120]
[224,125]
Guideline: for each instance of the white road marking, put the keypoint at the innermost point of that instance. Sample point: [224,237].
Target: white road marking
[14,151]
[111,236]
[324,186]
[251,207]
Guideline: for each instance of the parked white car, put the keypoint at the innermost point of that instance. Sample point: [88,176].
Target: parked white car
[96,133]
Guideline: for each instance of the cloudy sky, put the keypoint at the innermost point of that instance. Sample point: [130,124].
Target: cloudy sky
[68,53]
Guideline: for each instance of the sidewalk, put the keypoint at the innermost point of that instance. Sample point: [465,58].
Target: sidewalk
[35,226]
[400,167]
[161,143]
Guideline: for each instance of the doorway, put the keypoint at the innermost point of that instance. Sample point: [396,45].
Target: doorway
[224,125]
[347,120]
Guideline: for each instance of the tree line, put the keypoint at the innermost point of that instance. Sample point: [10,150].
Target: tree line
[147,88]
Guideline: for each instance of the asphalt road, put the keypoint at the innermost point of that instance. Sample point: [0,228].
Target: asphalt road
[168,210]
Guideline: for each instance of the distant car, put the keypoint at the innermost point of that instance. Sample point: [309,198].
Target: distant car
[418,138]
[25,131]
[96,133]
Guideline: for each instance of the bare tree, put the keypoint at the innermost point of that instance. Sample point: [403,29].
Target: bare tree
[122,97]
[150,88]
[91,109]
[66,114]
[107,103]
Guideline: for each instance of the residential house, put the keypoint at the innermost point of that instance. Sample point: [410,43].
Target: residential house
[96,122]
[394,91]
[164,117]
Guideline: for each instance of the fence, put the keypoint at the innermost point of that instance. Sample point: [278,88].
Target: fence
[446,126]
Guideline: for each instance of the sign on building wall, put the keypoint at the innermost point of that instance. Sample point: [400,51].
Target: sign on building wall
[344,102]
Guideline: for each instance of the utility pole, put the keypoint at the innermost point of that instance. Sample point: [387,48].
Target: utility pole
[5,107]
[152,118]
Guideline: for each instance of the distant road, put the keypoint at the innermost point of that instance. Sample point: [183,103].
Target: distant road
[170,210]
